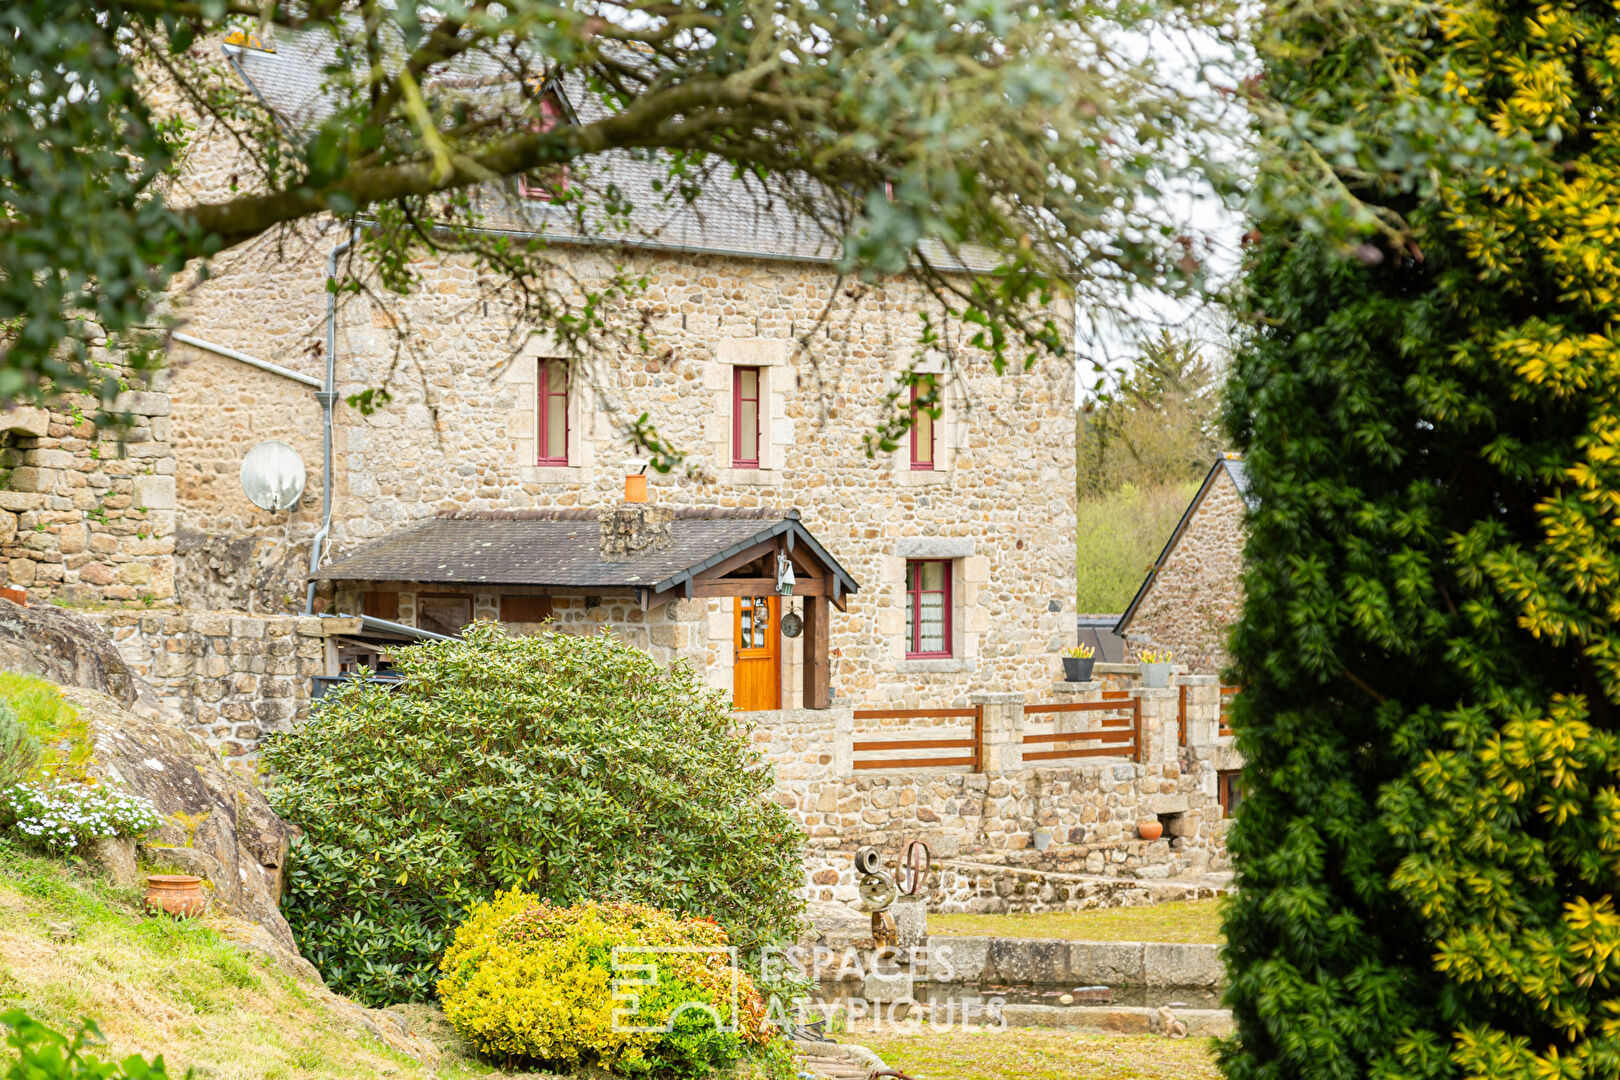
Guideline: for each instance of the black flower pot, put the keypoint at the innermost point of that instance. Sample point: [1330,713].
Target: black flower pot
[1078,669]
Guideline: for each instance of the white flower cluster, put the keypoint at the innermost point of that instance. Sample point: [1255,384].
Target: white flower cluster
[62,816]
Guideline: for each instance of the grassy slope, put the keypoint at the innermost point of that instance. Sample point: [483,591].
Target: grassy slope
[1039,1054]
[179,989]
[1197,921]
[1117,538]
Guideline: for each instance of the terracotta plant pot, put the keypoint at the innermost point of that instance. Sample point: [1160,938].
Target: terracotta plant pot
[180,895]
[1150,830]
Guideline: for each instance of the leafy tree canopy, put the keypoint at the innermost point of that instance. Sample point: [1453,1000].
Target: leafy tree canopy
[1029,140]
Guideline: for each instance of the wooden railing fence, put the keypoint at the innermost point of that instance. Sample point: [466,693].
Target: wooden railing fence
[972,743]
[1119,736]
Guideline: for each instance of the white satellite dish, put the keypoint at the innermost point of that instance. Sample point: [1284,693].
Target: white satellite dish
[273,476]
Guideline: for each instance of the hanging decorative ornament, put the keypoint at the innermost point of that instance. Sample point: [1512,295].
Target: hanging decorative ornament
[792,625]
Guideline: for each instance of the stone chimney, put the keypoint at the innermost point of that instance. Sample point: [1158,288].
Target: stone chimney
[633,529]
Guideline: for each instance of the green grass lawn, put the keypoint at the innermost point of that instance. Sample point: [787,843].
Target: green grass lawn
[1041,1054]
[1193,921]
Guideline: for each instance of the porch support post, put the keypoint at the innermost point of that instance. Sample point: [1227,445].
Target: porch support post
[817,666]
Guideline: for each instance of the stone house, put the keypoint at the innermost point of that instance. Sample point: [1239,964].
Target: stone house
[922,575]
[1194,590]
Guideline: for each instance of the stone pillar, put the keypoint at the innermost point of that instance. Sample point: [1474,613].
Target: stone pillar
[1203,707]
[1003,747]
[1159,743]
[843,763]
[1066,693]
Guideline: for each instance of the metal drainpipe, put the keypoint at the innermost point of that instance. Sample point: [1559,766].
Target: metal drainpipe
[327,396]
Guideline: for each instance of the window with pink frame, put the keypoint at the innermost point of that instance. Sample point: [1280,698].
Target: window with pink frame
[546,184]
[745,398]
[551,427]
[922,426]
[928,608]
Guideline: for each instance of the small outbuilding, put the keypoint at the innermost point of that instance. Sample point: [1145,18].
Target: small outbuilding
[1193,592]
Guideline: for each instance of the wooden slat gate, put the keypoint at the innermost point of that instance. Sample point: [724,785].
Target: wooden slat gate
[973,743]
[1119,736]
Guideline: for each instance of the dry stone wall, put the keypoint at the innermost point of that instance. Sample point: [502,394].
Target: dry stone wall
[231,678]
[87,516]
[1196,596]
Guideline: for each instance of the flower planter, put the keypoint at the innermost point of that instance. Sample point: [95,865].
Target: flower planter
[1156,676]
[1150,829]
[180,895]
[1078,669]
[15,595]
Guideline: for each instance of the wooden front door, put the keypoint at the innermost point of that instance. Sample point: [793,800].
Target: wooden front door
[756,677]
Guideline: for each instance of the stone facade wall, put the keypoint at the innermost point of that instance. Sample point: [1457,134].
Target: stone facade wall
[87,516]
[1197,594]
[459,434]
[232,678]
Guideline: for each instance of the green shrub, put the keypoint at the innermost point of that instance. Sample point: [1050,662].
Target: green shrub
[573,767]
[45,1054]
[20,751]
[528,981]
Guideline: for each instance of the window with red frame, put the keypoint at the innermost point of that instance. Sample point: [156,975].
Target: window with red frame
[922,426]
[928,608]
[551,427]
[549,183]
[745,398]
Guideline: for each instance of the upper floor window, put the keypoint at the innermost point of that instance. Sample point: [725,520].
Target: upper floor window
[923,424]
[550,182]
[928,608]
[551,428]
[745,418]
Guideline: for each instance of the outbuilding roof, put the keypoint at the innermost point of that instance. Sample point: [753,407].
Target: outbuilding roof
[563,548]
[1230,464]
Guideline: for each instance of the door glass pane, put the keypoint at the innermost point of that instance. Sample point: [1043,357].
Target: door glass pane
[748,431]
[933,576]
[932,637]
[556,427]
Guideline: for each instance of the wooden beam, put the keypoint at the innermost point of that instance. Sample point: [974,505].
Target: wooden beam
[756,586]
[817,664]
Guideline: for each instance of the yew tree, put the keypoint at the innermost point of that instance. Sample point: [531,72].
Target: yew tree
[1429,402]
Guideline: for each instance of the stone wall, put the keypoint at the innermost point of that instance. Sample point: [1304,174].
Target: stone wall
[231,678]
[87,516]
[1091,807]
[1196,596]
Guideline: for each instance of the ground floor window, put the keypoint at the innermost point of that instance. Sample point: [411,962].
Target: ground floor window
[928,608]
[1229,787]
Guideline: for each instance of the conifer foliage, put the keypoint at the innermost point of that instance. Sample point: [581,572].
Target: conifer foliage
[1429,846]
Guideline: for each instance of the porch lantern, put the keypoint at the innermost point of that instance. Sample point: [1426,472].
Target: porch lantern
[784,575]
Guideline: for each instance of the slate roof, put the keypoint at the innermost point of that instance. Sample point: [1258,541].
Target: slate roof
[729,216]
[1232,466]
[562,548]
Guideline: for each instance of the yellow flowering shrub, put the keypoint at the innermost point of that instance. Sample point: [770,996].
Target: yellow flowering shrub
[527,980]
